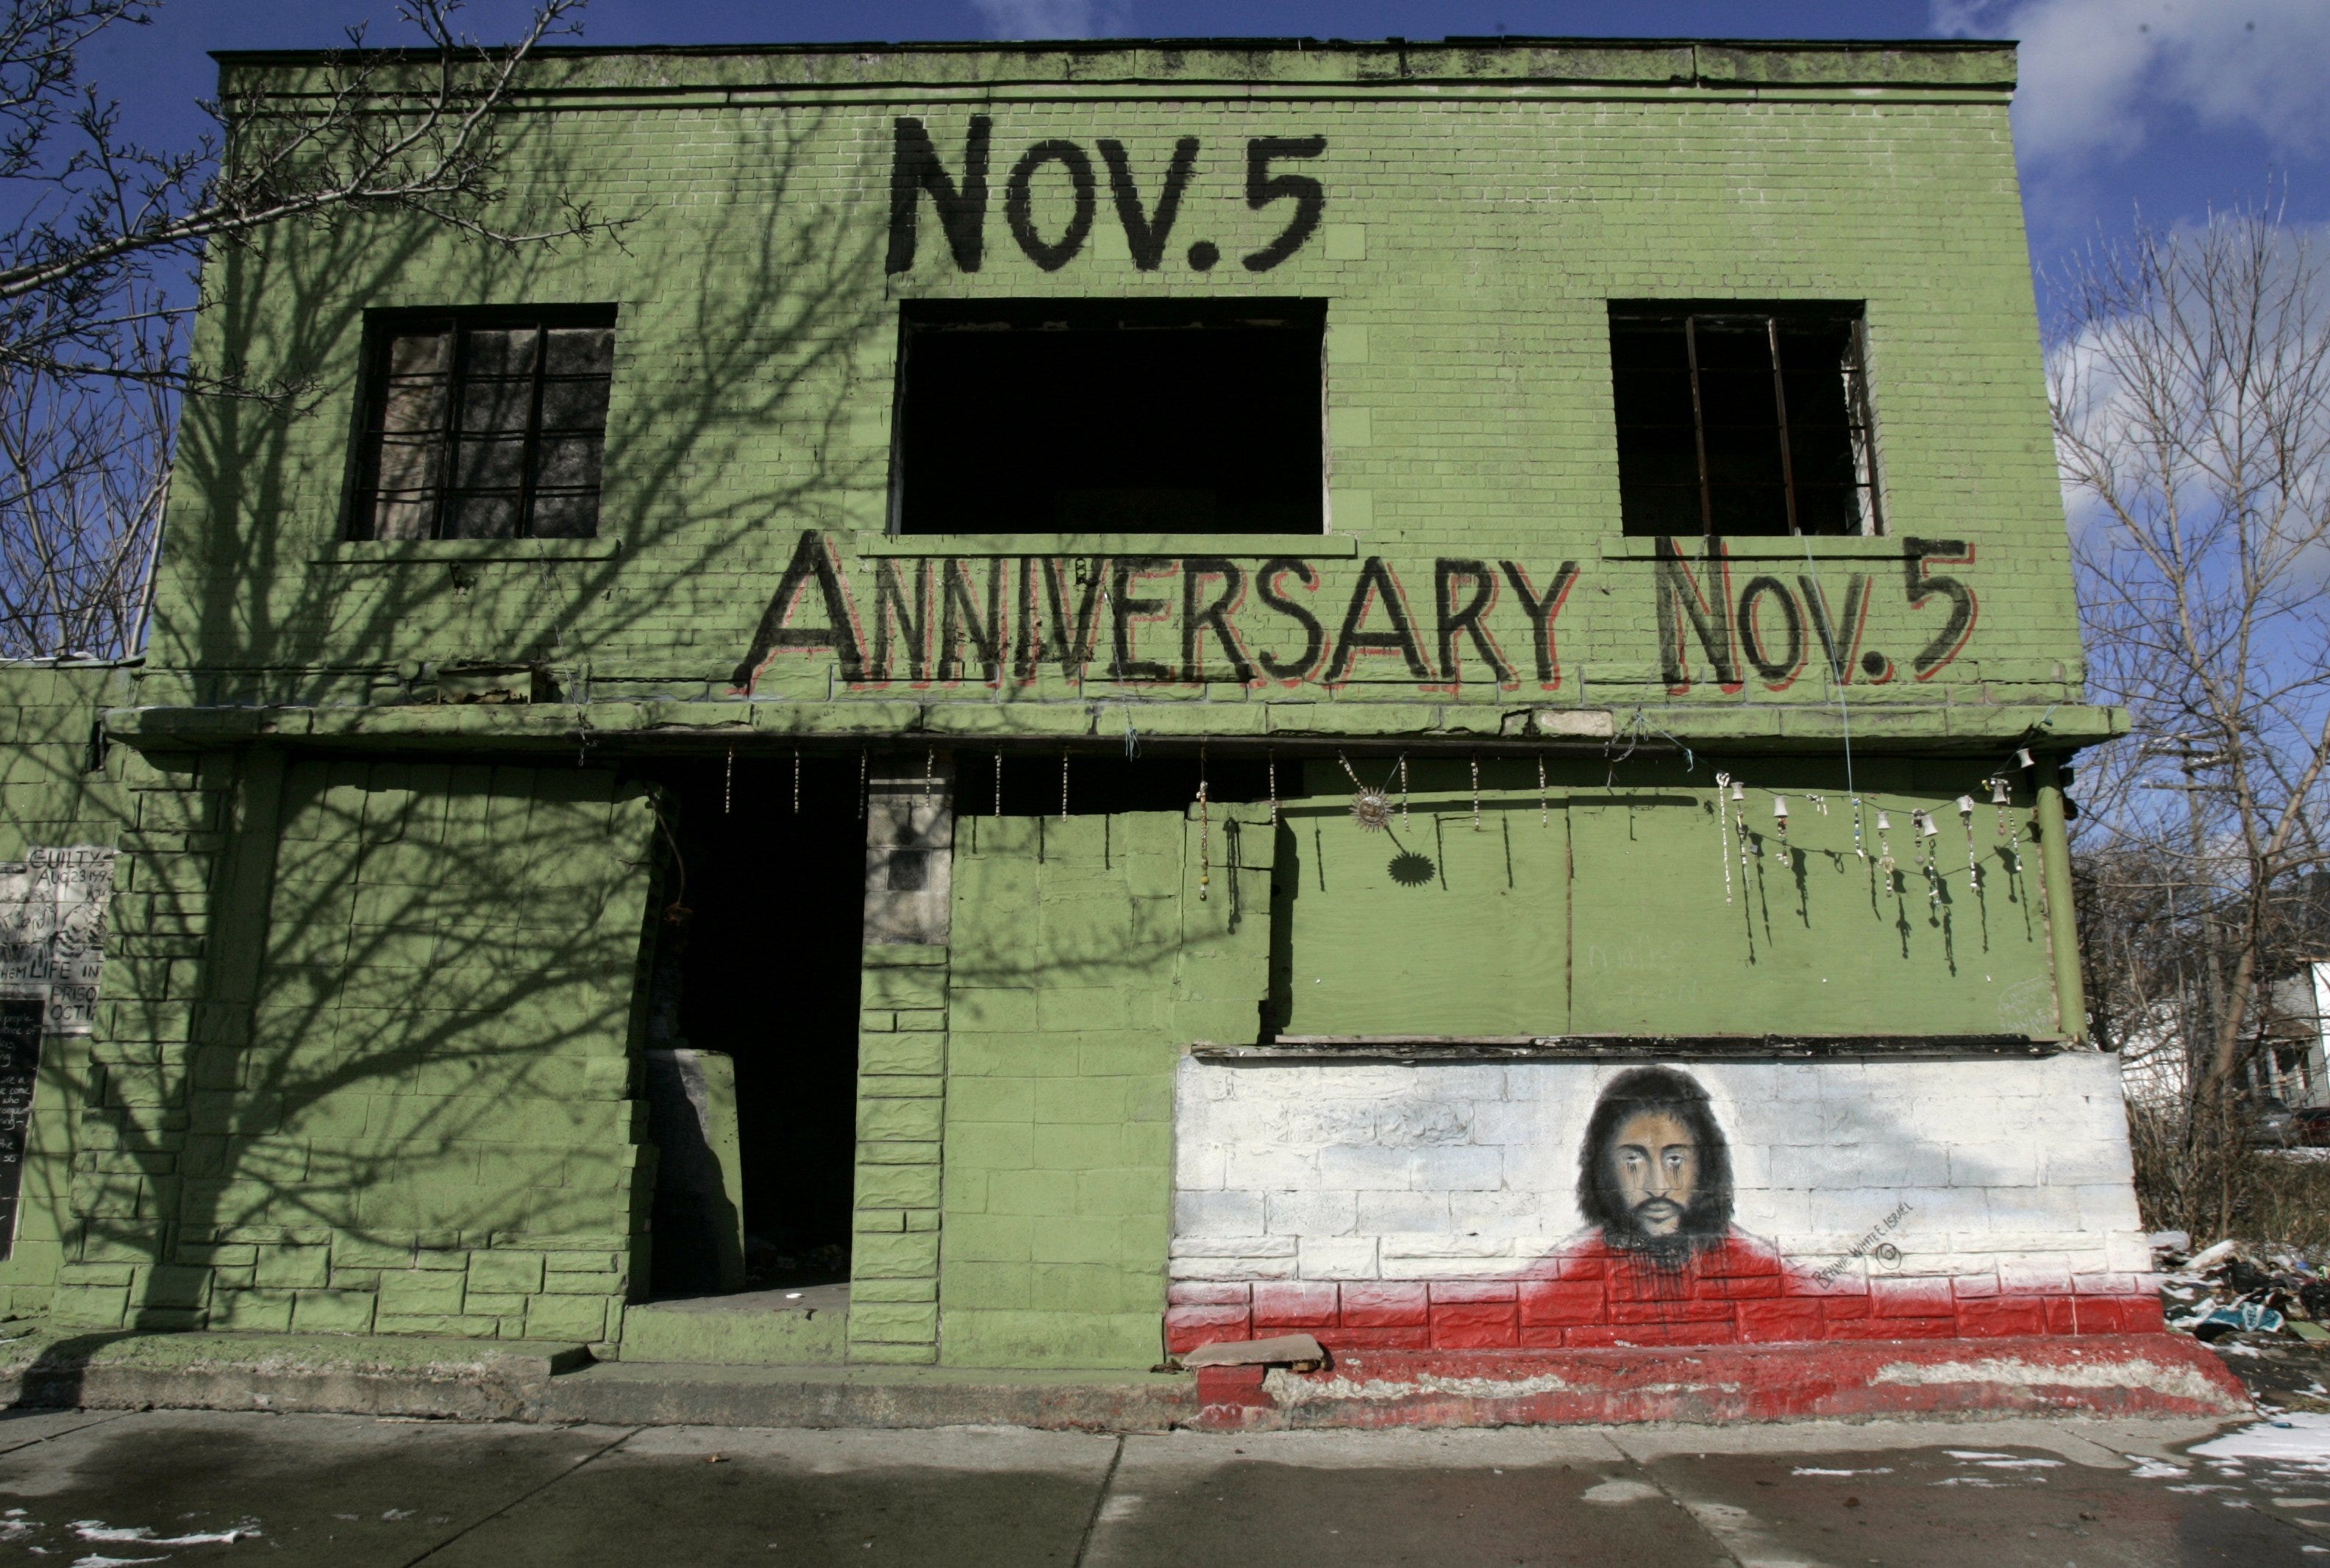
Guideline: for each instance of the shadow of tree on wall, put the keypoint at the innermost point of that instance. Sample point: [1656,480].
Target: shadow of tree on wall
[368,1056]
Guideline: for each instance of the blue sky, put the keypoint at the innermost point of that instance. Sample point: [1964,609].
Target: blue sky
[2173,105]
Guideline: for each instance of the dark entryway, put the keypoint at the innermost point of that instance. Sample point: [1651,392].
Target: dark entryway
[757,959]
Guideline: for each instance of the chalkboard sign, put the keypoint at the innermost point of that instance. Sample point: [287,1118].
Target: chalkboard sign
[20,1069]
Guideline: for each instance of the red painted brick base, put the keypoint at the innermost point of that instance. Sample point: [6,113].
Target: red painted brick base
[1580,1310]
[2099,1374]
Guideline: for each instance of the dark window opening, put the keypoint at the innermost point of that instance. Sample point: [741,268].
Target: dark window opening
[1742,420]
[1111,417]
[484,425]
[757,959]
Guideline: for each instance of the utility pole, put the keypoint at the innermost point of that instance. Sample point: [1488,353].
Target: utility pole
[2200,1034]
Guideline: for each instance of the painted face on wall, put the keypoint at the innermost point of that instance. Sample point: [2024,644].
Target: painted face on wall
[1656,1171]
[1656,1161]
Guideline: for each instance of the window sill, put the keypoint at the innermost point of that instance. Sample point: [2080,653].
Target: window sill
[1762,547]
[399,551]
[1238,546]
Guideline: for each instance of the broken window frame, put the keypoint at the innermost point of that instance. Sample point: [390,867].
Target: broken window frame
[922,318]
[1865,492]
[384,330]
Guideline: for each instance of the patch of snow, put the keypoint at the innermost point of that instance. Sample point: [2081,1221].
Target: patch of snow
[2149,1469]
[143,1536]
[1816,1470]
[1619,1491]
[2297,1438]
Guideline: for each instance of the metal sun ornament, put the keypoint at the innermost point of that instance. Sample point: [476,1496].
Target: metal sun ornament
[1371,808]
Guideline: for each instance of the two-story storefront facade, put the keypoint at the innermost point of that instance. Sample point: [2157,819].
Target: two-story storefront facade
[1083,701]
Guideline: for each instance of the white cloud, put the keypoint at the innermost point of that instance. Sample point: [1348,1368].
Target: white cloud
[2096,73]
[1018,19]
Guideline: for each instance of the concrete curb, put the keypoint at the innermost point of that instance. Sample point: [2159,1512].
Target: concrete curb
[558,1384]
[671,1394]
[461,1380]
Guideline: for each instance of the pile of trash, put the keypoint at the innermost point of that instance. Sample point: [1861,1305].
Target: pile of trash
[2239,1287]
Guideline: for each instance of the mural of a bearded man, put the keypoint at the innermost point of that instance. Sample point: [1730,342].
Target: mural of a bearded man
[1654,1179]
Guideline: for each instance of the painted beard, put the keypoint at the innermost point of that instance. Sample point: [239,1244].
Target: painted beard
[1673,1240]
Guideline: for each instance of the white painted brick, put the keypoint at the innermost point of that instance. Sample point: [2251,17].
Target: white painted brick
[1338,1258]
[1458,1169]
[1269,1168]
[1233,1247]
[1446,1170]
[1367,1170]
[1383,1212]
[1317,1213]
[1216,1213]
[1201,1166]
[1508,1214]
[1413,1124]
[1320,1125]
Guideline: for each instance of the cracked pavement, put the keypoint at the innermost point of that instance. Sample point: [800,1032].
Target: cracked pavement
[99,1488]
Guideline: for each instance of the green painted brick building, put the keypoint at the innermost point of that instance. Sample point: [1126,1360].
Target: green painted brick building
[1084,698]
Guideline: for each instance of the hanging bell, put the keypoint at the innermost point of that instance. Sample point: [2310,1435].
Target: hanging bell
[1737,794]
[1998,793]
[2022,758]
[1780,811]
[1925,824]
[1965,806]
[1884,823]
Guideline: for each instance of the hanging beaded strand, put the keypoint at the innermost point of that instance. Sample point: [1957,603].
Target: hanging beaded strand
[862,795]
[1544,806]
[1205,831]
[1739,825]
[1973,868]
[1063,783]
[998,785]
[797,772]
[1476,792]
[728,784]
[930,772]
[1270,762]
[1402,789]
[1723,831]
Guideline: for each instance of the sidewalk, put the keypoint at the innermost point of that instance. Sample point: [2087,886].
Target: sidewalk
[291,1491]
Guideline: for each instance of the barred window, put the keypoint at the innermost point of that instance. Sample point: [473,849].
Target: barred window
[1742,420]
[485,426]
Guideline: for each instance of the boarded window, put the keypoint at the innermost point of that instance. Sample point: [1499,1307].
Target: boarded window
[485,427]
[1742,420]
[1111,417]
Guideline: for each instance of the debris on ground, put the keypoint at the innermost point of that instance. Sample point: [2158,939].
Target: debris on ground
[2243,1288]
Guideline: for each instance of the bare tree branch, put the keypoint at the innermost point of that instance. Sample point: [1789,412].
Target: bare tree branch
[2191,387]
[97,273]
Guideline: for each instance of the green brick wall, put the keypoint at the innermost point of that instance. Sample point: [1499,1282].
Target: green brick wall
[404,1101]
[1482,207]
[1083,962]
[56,790]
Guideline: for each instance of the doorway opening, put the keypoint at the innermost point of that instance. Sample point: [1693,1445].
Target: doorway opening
[752,1028]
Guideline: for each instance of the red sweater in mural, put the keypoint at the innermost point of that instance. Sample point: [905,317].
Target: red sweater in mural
[1643,1289]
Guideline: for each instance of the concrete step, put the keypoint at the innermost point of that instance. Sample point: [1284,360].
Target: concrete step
[673,1393]
[803,1327]
[364,1375]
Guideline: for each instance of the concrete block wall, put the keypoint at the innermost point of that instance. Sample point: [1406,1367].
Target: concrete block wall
[57,789]
[1436,1204]
[389,1087]
[1083,959]
[1476,230]
[902,1065]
